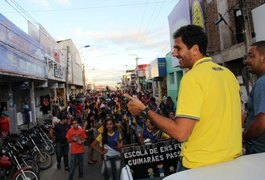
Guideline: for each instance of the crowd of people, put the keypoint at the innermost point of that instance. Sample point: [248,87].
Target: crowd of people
[103,123]
[207,117]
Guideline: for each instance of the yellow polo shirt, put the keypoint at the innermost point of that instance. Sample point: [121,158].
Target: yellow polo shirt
[209,94]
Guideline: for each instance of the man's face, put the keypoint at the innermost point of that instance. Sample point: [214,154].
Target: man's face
[148,124]
[171,115]
[92,118]
[64,121]
[75,124]
[254,61]
[183,54]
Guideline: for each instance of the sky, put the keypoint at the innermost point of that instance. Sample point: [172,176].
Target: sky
[117,31]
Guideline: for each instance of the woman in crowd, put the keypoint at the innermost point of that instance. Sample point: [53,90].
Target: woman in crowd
[90,129]
[151,134]
[170,106]
[172,115]
[110,141]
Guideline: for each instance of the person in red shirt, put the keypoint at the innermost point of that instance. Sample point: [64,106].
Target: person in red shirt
[4,124]
[79,112]
[76,137]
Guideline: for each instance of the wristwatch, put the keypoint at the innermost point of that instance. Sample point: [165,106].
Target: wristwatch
[145,111]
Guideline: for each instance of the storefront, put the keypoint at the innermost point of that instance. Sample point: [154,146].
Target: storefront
[22,65]
[158,75]
[142,72]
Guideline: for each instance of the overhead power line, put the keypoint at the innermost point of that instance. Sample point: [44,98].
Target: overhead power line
[19,9]
[153,19]
[143,17]
[104,6]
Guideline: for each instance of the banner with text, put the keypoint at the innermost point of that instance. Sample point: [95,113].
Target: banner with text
[154,160]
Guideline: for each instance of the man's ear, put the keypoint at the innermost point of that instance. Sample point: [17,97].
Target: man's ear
[195,50]
[263,58]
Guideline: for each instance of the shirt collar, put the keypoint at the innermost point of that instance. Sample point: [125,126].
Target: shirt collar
[111,134]
[202,60]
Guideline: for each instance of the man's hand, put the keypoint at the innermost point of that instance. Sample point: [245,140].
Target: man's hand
[135,106]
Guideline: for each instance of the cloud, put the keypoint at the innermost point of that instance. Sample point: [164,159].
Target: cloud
[41,3]
[105,75]
[78,32]
[112,50]
[106,83]
[64,2]
[128,39]
[47,4]
[118,37]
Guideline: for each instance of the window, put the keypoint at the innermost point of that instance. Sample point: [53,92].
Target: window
[171,78]
[239,24]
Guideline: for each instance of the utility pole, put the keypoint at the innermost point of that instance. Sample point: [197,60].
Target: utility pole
[136,73]
[247,41]
[84,78]
[67,72]
[247,35]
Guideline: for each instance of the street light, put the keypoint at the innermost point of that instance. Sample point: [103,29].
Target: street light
[86,46]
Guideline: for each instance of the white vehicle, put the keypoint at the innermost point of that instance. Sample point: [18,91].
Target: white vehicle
[248,167]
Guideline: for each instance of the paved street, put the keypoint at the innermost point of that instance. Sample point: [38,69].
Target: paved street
[91,172]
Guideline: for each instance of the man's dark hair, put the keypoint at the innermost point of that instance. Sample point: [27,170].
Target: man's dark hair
[62,117]
[191,35]
[73,120]
[260,46]
[152,99]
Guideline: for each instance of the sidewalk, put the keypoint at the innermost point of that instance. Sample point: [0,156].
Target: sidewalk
[91,172]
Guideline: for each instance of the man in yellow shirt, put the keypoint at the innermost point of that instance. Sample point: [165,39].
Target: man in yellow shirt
[208,115]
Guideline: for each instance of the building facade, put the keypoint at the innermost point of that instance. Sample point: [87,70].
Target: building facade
[159,78]
[34,73]
[74,68]
[22,67]
[230,30]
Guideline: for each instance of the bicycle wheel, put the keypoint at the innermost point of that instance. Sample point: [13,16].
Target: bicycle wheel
[49,148]
[33,164]
[44,159]
[28,175]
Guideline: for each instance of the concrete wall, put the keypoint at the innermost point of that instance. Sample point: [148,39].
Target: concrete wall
[226,39]
[212,30]
[75,68]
